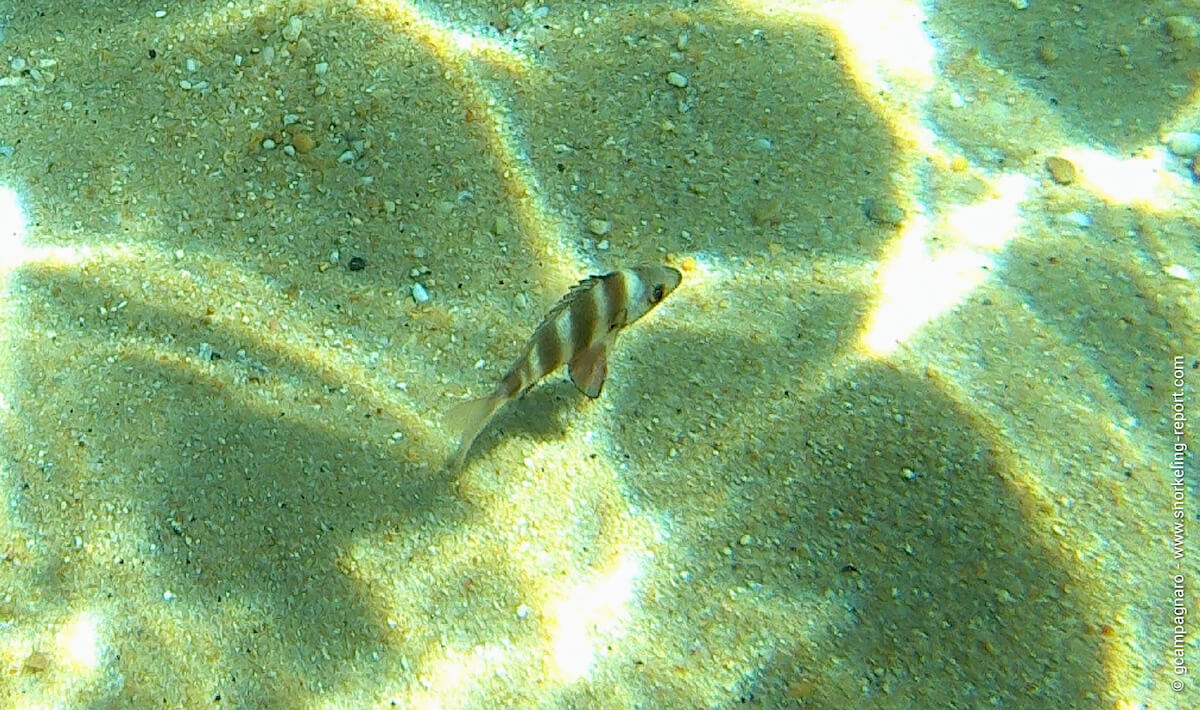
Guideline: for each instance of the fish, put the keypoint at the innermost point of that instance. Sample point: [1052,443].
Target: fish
[578,331]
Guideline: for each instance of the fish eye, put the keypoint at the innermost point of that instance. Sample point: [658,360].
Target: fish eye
[657,294]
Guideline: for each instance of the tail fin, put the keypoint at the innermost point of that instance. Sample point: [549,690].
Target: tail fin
[467,419]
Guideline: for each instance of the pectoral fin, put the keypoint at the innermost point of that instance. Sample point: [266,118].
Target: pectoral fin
[589,368]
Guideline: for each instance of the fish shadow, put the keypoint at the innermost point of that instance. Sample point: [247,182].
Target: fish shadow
[540,415]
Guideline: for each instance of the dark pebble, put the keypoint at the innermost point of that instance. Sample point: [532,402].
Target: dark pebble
[357,263]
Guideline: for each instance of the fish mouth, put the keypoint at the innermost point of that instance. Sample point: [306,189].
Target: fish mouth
[674,277]
[667,276]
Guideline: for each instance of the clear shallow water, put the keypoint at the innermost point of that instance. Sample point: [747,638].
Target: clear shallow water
[900,439]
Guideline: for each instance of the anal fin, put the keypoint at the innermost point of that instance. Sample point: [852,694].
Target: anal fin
[589,368]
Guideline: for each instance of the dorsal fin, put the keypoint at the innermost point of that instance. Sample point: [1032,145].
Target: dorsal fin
[565,302]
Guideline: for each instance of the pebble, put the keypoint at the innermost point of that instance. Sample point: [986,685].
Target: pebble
[1178,271]
[303,143]
[357,263]
[599,227]
[677,80]
[501,227]
[420,294]
[1061,170]
[766,212]
[1184,144]
[1047,53]
[1181,28]
[17,64]
[36,662]
[1079,219]
[885,212]
[347,156]
[268,144]
[303,50]
[291,31]
[321,68]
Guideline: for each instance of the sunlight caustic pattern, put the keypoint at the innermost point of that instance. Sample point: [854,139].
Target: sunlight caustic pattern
[580,612]
[577,610]
[1141,180]
[459,49]
[939,255]
[919,282]
[12,230]
[72,659]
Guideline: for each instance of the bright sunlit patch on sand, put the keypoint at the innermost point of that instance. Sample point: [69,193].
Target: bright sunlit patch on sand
[701,271]
[1121,180]
[587,615]
[488,47]
[453,681]
[887,39]
[15,251]
[12,230]
[451,43]
[79,643]
[990,224]
[917,284]
[459,50]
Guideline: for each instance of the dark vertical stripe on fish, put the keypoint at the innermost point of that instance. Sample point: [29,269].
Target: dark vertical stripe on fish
[615,293]
[549,349]
[591,312]
[585,313]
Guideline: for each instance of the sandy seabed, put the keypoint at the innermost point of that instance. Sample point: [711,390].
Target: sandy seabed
[902,438]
